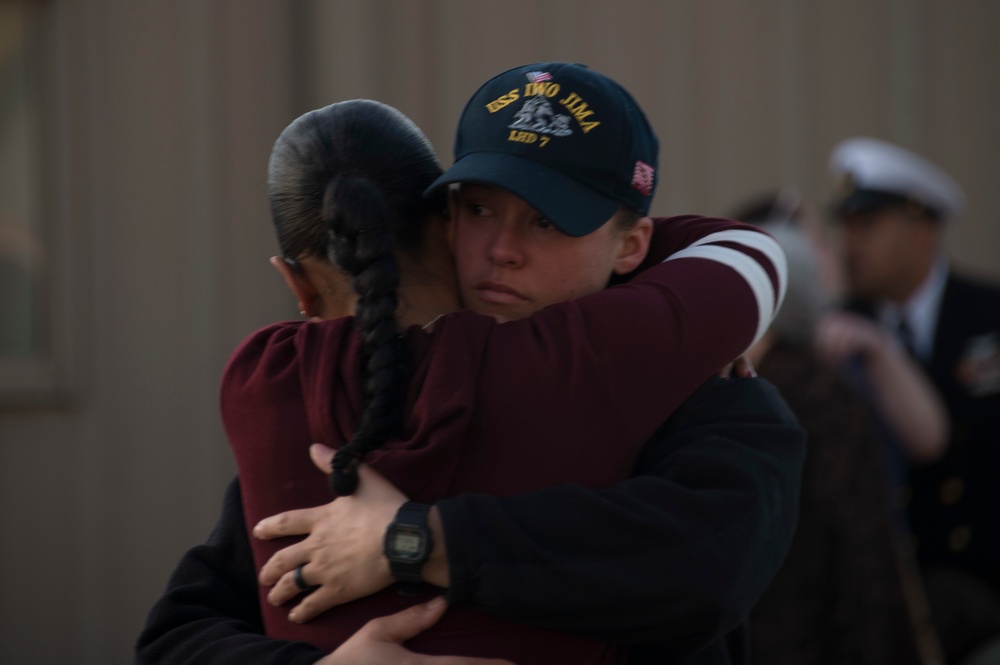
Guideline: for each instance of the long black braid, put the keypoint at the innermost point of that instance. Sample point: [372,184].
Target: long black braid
[346,184]
[362,244]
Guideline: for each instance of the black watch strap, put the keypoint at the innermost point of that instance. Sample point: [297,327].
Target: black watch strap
[408,545]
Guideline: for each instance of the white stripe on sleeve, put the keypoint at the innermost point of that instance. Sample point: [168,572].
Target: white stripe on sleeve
[764,244]
[749,269]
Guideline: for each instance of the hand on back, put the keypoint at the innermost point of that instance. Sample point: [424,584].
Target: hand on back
[380,641]
[341,555]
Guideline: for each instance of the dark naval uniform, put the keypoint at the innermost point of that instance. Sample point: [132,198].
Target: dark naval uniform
[955,504]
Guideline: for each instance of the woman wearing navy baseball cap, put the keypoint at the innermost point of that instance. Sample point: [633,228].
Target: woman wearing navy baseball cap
[456,404]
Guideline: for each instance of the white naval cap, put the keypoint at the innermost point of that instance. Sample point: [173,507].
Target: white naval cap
[876,173]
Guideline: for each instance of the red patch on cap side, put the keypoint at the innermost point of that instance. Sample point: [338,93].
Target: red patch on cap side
[643,177]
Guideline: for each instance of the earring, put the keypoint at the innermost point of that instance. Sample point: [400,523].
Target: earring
[293,264]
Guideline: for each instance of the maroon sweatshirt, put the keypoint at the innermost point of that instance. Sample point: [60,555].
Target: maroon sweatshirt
[568,395]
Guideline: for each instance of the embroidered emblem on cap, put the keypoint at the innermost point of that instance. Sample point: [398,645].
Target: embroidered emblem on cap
[537,115]
[643,177]
[538,77]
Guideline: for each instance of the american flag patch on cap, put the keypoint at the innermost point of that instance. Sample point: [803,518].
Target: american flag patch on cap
[538,77]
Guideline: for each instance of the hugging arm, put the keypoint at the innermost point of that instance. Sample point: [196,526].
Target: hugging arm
[676,555]
[210,612]
[656,559]
[210,615]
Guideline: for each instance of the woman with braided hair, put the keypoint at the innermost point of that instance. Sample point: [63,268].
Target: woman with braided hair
[478,414]
[369,230]
[459,405]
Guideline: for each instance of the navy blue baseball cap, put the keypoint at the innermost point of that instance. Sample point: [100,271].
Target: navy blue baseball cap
[570,141]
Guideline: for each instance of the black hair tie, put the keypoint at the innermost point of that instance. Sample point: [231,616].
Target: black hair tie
[344,479]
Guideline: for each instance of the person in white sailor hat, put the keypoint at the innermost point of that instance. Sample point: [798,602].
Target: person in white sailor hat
[893,205]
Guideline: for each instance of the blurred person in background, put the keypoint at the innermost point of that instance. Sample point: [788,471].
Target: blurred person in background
[844,593]
[893,207]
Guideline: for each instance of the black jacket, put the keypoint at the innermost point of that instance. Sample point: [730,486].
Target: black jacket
[954,502]
[670,561]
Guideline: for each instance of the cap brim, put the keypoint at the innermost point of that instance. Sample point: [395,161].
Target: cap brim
[573,207]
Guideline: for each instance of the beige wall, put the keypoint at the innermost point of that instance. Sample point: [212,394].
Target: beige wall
[168,109]
[745,95]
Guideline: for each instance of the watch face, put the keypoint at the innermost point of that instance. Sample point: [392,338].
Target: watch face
[406,543]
